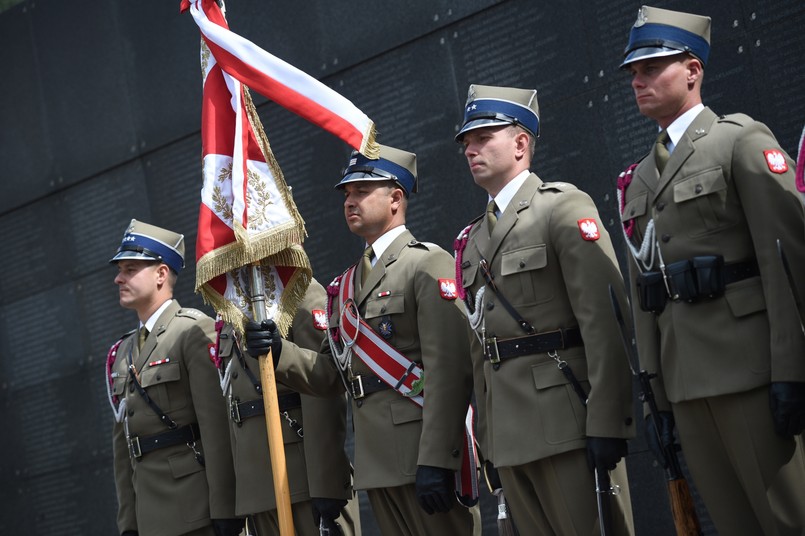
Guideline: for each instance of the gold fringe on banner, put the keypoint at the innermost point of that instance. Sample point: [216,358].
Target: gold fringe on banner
[370,148]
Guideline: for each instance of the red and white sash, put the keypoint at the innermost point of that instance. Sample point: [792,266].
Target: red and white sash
[388,364]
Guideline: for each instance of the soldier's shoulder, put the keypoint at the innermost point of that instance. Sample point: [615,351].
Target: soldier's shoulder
[193,314]
[557,186]
[741,120]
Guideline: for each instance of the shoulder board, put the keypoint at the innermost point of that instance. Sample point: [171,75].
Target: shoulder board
[190,313]
[736,119]
[561,186]
[427,245]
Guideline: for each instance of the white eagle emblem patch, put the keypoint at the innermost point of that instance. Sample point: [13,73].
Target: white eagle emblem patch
[589,229]
[319,319]
[776,161]
[447,289]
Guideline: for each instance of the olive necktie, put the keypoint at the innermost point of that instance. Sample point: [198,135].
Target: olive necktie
[141,336]
[491,217]
[366,264]
[661,154]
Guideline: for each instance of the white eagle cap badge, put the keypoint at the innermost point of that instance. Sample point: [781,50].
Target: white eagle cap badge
[642,18]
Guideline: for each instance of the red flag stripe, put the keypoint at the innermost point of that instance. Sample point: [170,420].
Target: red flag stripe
[279,81]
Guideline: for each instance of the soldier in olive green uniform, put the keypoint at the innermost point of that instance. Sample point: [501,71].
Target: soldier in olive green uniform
[714,316]
[536,272]
[406,452]
[313,429]
[173,462]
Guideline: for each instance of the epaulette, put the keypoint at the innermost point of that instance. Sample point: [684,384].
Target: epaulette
[190,313]
[561,186]
[736,119]
[416,243]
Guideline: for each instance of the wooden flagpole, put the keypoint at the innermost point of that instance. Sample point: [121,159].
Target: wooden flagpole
[276,446]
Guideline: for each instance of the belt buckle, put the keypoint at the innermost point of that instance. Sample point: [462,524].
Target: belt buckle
[494,359]
[234,410]
[134,447]
[361,393]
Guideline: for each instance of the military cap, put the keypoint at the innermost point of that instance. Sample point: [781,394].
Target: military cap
[492,106]
[146,242]
[661,32]
[394,165]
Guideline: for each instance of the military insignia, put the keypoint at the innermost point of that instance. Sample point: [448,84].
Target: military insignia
[447,289]
[319,319]
[589,229]
[641,18]
[386,327]
[417,386]
[159,362]
[384,294]
[776,161]
[213,353]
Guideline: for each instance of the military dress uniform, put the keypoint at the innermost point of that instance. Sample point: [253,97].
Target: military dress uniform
[551,264]
[403,301]
[173,463]
[313,430]
[716,211]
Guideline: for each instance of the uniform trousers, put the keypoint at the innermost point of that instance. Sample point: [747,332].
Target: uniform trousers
[751,480]
[398,514]
[556,495]
[267,523]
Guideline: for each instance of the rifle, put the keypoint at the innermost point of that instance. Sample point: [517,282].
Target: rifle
[684,513]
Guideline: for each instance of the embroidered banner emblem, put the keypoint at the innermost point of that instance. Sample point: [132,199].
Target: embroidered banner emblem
[776,161]
[589,229]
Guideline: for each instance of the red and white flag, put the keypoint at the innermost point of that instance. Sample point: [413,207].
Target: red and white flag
[247,213]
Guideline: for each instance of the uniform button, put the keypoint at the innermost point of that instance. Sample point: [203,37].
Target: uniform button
[631,212]
[660,206]
[666,238]
[455,453]
[522,264]
[490,306]
[359,403]
[159,377]
[234,375]
[628,421]
[131,412]
[383,309]
[698,189]
[131,388]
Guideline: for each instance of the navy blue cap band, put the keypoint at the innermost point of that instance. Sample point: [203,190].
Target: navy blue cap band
[662,35]
[153,248]
[503,110]
[384,169]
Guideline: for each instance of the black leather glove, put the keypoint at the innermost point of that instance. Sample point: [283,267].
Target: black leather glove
[788,407]
[660,435]
[262,337]
[435,488]
[325,512]
[604,453]
[227,527]
[129,533]
[492,477]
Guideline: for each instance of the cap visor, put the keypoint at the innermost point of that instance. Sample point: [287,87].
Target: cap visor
[132,255]
[361,177]
[645,53]
[480,123]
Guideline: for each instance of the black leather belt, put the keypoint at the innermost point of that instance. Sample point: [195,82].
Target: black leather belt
[240,411]
[496,350]
[738,271]
[139,446]
[366,384]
